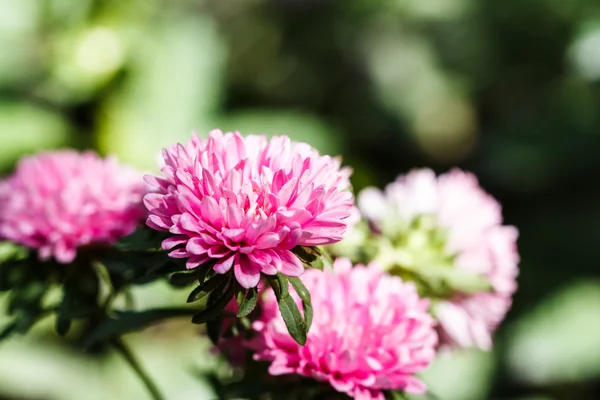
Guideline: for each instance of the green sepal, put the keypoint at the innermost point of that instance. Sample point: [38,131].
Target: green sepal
[313,257]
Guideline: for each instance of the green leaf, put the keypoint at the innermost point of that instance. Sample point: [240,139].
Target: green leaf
[305,297]
[218,300]
[13,272]
[130,321]
[280,285]
[312,257]
[394,395]
[293,319]
[182,279]
[28,297]
[207,287]
[213,329]
[307,254]
[247,302]
[295,323]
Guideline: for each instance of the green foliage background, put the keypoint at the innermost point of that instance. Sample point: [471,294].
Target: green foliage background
[507,89]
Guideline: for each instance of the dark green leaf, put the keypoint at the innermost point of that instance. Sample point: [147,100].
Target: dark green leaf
[213,329]
[25,319]
[28,297]
[312,257]
[293,319]
[130,321]
[307,254]
[207,287]
[182,279]
[13,273]
[305,297]
[280,285]
[217,301]
[247,302]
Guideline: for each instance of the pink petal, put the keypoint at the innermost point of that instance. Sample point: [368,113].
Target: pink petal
[290,264]
[196,246]
[246,273]
[225,264]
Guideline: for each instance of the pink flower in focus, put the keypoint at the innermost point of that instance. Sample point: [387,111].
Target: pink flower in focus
[370,332]
[244,203]
[58,201]
[476,241]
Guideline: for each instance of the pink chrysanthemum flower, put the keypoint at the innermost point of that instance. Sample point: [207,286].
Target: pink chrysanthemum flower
[370,332]
[450,219]
[245,202]
[58,201]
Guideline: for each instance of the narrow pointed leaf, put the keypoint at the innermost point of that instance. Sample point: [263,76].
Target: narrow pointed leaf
[213,329]
[305,297]
[182,279]
[216,303]
[207,287]
[248,302]
[280,285]
[293,319]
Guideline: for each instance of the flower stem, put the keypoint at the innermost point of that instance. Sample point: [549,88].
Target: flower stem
[135,365]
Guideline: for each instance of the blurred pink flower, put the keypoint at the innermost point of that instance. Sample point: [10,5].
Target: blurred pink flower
[246,202]
[370,332]
[475,239]
[58,201]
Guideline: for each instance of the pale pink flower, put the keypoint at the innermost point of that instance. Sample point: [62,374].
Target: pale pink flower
[476,241]
[58,201]
[370,332]
[246,202]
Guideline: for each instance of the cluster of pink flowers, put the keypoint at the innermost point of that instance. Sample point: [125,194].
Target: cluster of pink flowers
[370,332]
[246,202]
[476,241]
[58,201]
[241,205]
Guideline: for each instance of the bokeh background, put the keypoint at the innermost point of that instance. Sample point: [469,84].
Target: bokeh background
[508,89]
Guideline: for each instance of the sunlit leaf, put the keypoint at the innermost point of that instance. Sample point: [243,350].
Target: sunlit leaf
[306,301]
[247,302]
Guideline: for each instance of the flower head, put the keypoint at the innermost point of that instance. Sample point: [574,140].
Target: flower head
[449,220]
[58,201]
[370,332]
[246,202]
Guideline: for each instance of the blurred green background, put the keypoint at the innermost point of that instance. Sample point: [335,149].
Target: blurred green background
[508,89]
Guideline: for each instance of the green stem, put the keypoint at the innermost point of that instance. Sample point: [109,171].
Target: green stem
[135,365]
